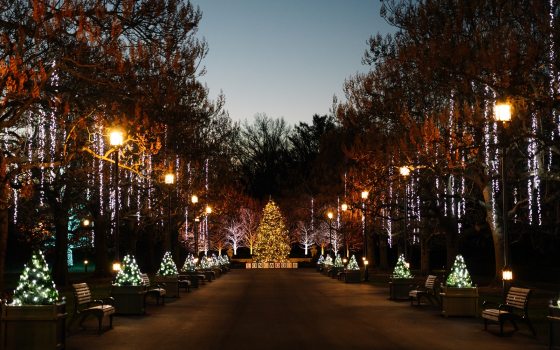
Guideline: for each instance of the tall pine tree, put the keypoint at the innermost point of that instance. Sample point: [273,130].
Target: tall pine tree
[273,244]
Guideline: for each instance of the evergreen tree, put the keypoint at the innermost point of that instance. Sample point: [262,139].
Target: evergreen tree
[328,261]
[401,269]
[190,264]
[321,260]
[273,244]
[459,276]
[167,267]
[338,261]
[36,286]
[129,275]
[352,264]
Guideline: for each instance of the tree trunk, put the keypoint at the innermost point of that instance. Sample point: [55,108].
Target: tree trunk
[101,257]
[60,267]
[4,220]
[383,256]
[493,220]
[424,256]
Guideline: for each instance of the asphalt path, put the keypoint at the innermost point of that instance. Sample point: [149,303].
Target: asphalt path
[293,309]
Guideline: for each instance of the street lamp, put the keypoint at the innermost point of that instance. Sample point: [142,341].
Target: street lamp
[405,172]
[169,181]
[208,211]
[344,208]
[116,139]
[330,216]
[502,114]
[365,195]
[194,201]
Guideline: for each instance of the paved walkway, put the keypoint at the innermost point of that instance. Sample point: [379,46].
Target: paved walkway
[293,309]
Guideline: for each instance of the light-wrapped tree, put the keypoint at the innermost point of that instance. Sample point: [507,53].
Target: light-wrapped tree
[167,267]
[352,264]
[190,264]
[338,261]
[129,275]
[273,244]
[459,276]
[35,286]
[402,269]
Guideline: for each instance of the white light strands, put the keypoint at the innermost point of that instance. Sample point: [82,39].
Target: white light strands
[352,264]
[35,285]
[402,268]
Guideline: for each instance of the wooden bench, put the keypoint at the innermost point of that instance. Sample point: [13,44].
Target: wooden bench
[184,282]
[157,291]
[84,305]
[428,291]
[515,308]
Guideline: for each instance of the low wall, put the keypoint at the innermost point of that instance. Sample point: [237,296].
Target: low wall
[283,265]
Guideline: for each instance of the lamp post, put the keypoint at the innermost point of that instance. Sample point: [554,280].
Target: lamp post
[194,201]
[344,208]
[405,172]
[365,195]
[207,211]
[116,139]
[330,216]
[169,181]
[502,114]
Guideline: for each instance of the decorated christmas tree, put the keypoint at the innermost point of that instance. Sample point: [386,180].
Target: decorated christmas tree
[129,275]
[204,263]
[35,285]
[223,260]
[167,267]
[328,261]
[352,264]
[321,260]
[273,244]
[402,269]
[338,261]
[214,261]
[459,276]
[190,264]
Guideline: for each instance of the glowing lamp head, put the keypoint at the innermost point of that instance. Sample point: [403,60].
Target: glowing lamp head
[197,219]
[194,199]
[407,265]
[366,262]
[330,215]
[116,266]
[344,207]
[502,112]
[365,194]
[116,138]
[507,274]
[195,260]
[404,171]
[169,179]
[86,222]
[86,262]
[208,210]
[344,260]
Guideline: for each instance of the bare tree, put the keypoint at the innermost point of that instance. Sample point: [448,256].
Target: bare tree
[306,237]
[235,235]
[249,222]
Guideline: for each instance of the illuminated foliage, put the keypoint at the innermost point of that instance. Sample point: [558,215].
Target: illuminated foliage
[129,275]
[402,269]
[167,267]
[352,264]
[273,244]
[35,284]
[459,276]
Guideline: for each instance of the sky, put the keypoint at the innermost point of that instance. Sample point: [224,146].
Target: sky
[284,58]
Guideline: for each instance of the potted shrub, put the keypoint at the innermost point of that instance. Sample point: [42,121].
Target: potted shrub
[128,289]
[401,280]
[337,267]
[352,274]
[189,270]
[36,317]
[167,276]
[459,296]
[320,263]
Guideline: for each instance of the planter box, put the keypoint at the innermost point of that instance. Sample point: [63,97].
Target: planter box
[129,300]
[352,276]
[33,327]
[459,301]
[399,288]
[335,270]
[170,284]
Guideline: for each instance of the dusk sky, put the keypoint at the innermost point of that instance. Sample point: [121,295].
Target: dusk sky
[285,58]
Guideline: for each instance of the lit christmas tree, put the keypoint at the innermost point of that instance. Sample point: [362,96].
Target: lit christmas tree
[321,260]
[402,269]
[223,260]
[328,261]
[167,267]
[190,264]
[459,276]
[352,264]
[214,261]
[338,261]
[273,244]
[129,275]
[35,284]
[204,263]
